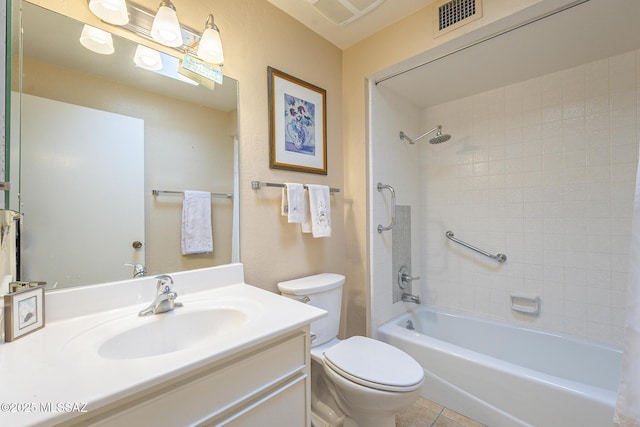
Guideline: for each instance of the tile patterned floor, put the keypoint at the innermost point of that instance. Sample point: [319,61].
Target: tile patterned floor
[425,413]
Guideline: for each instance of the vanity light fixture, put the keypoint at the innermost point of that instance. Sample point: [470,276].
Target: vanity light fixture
[111,11]
[210,47]
[166,27]
[147,58]
[96,40]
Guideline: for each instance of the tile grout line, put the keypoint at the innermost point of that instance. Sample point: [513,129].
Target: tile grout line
[436,419]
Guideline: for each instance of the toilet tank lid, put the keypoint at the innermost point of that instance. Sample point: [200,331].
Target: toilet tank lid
[311,284]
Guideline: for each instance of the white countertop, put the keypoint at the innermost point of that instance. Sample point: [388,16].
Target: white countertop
[51,374]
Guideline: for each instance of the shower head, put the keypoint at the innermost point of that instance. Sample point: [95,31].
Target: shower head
[439,138]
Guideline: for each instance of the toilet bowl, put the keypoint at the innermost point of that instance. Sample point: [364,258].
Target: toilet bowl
[356,382]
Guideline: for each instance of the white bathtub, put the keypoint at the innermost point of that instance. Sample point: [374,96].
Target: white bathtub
[506,375]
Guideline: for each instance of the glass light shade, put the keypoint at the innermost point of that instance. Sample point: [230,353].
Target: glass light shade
[166,28]
[111,11]
[97,40]
[147,58]
[210,48]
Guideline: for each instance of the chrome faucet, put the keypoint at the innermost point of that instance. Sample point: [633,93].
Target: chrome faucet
[404,279]
[139,270]
[165,297]
[410,298]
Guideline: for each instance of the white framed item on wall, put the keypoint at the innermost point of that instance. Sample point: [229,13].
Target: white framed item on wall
[23,312]
[297,124]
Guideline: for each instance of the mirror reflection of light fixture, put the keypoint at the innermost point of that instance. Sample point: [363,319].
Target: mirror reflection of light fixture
[111,11]
[166,28]
[97,40]
[170,65]
[159,63]
[147,58]
[184,79]
[210,48]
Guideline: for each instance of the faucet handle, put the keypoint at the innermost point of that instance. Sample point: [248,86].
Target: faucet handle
[162,286]
[404,277]
[407,278]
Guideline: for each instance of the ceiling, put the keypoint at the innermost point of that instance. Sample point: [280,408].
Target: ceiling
[343,36]
[583,33]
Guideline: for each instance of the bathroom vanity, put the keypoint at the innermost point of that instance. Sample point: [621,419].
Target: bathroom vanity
[233,355]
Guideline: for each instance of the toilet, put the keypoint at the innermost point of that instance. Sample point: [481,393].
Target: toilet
[356,382]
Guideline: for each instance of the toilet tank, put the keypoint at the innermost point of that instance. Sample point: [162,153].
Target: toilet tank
[323,291]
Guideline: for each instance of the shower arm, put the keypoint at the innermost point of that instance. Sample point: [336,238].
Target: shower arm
[411,141]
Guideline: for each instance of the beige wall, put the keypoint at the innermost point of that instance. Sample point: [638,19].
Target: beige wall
[257,35]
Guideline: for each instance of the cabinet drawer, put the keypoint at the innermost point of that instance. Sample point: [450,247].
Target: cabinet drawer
[284,407]
[225,386]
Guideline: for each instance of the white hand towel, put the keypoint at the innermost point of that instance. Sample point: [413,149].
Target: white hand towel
[306,213]
[284,206]
[295,198]
[197,235]
[320,207]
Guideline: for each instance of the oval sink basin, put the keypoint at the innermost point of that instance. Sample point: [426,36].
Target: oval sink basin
[173,331]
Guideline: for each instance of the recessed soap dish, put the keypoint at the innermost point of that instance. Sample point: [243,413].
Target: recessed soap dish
[526,304]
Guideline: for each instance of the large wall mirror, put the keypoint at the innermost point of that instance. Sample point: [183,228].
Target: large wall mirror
[92,136]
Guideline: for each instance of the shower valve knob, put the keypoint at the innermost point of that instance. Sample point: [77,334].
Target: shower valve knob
[405,277]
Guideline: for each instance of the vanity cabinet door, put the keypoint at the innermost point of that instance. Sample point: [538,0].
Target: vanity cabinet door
[267,386]
[284,407]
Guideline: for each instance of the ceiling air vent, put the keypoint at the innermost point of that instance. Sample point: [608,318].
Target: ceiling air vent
[343,12]
[453,14]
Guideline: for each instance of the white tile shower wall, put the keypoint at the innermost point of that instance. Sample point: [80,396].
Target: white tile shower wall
[396,163]
[543,171]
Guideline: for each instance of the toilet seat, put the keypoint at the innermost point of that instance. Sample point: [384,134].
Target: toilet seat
[374,364]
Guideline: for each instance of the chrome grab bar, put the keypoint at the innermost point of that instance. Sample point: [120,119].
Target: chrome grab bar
[499,257]
[393,207]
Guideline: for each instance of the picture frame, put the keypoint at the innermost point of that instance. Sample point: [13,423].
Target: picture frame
[23,312]
[297,124]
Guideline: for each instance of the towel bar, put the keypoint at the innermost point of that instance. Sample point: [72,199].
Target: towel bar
[160,192]
[256,185]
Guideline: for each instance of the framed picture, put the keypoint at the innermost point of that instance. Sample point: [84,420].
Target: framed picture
[23,312]
[297,124]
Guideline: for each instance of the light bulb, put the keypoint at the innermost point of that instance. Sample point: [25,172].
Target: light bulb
[210,47]
[97,40]
[147,58]
[111,11]
[166,28]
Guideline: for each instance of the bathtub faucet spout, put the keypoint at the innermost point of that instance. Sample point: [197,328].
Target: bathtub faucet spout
[410,298]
